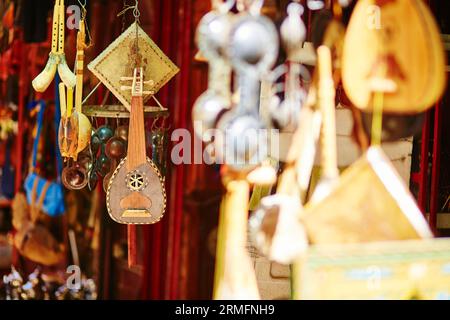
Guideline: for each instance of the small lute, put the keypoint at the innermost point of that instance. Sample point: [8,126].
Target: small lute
[400,40]
[136,193]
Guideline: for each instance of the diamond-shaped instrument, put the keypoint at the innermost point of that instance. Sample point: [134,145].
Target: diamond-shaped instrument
[117,60]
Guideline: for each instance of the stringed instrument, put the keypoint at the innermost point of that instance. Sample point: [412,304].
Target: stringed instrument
[368,203]
[136,193]
[399,39]
[75,128]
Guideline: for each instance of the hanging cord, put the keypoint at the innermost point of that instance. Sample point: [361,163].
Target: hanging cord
[137,15]
[86,26]
[123,16]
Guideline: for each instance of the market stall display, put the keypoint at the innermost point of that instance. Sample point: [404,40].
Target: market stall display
[224,149]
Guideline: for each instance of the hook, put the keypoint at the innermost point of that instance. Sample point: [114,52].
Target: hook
[136,12]
[155,120]
[135,7]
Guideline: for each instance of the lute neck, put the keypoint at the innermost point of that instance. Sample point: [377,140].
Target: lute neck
[137,151]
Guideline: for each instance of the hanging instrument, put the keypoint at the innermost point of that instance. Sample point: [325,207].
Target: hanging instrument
[84,125]
[75,128]
[68,128]
[57,58]
[369,202]
[412,51]
[136,193]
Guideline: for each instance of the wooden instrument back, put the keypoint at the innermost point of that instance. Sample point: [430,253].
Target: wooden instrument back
[400,40]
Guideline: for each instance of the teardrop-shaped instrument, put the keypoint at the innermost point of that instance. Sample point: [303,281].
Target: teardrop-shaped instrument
[136,193]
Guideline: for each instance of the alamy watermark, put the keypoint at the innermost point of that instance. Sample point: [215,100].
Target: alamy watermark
[73,17]
[73,281]
[246,147]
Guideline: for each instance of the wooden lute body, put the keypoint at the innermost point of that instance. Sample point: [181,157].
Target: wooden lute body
[400,40]
[136,193]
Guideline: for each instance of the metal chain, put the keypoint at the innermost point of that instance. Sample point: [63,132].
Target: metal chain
[137,15]
[83,18]
[123,16]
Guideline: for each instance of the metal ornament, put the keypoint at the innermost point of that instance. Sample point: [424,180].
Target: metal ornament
[253,50]
[254,45]
[160,144]
[214,29]
[75,176]
[293,31]
[212,40]
[238,142]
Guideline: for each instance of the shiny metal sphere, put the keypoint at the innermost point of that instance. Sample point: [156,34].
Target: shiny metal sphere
[212,35]
[293,30]
[249,44]
[253,44]
[241,145]
[205,112]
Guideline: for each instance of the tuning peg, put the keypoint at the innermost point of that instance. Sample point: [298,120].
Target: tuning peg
[126,79]
[125,88]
